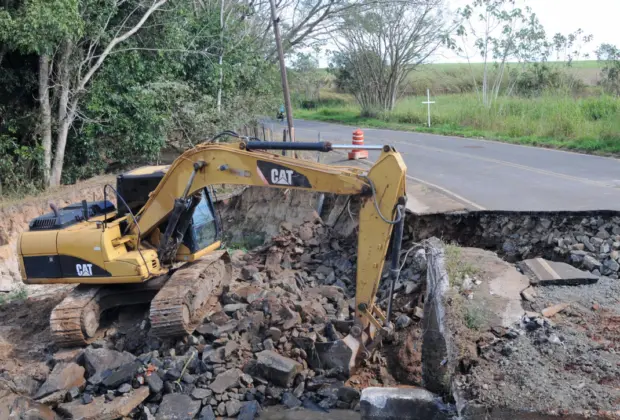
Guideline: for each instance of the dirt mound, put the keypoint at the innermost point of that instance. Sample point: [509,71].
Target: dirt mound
[567,362]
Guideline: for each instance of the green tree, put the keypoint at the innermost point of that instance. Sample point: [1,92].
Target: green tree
[609,56]
[72,39]
[380,47]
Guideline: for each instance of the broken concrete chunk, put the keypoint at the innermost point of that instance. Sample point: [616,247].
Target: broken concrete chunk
[233,407]
[121,375]
[249,410]
[68,355]
[552,310]
[177,407]
[348,394]
[591,263]
[403,321]
[13,406]
[226,380]
[334,354]
[234,307]
[211,355]
[403,404]
[96,361]
[290,400]
[201,393]
[528,294]
[418,312]
[154,382]
[100,409]
[207,413]
[550,273]
[248,271]
[278,369]
[64,377]
[274,333]
[230,348]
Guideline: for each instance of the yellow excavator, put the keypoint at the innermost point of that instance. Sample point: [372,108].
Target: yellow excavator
[165,217]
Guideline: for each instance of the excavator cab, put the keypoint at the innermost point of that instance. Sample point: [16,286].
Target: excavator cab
[204,227]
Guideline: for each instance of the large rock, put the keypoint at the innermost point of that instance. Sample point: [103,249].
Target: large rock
[64,377]
[290,400]
[20,383]
[276,368]
[550,273]
[402,404]
[207,413]
[13,406]
[591,263]
[249,410]
[121,375]
[232,408]
[177,407]
[226,380]
[96,361]
[155,383]
[335,355]
[100,409]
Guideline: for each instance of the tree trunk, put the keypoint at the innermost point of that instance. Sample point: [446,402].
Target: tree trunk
[221,59]
[61,143]
[220,84]
[45,122]
[65,115]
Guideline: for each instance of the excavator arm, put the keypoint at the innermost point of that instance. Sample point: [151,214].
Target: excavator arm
[382,189]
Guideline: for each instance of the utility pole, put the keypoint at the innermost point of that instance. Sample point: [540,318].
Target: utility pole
[287,95]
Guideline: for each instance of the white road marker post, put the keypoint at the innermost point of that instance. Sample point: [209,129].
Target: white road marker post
[428,102]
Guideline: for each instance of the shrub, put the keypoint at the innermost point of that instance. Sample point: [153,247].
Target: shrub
[20,167]
[600,108]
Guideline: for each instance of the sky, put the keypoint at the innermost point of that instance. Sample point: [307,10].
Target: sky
[597,17]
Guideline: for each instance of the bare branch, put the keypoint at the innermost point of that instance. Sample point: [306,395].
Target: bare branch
[117,40]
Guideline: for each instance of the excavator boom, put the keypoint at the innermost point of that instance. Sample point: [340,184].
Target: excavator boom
[382,189]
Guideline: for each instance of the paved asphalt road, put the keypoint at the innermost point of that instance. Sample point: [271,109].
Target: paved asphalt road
[492,175]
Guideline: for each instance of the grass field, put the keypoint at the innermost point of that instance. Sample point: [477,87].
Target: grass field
[580,118]
[446,78]
[589,124]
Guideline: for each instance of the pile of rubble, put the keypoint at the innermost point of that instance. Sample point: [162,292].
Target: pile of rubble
[272,339]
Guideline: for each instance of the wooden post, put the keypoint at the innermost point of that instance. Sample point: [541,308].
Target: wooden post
[287,95]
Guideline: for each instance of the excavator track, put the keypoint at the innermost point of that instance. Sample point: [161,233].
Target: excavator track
[75,320]
[189,294]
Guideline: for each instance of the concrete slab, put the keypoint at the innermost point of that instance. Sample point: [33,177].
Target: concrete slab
[498,297]
[542,272]
[507,287]
[402,404]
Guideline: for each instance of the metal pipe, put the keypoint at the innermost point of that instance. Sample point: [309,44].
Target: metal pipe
[351,146]
[319,206]
[276,145]
[322,146]
[397,239]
